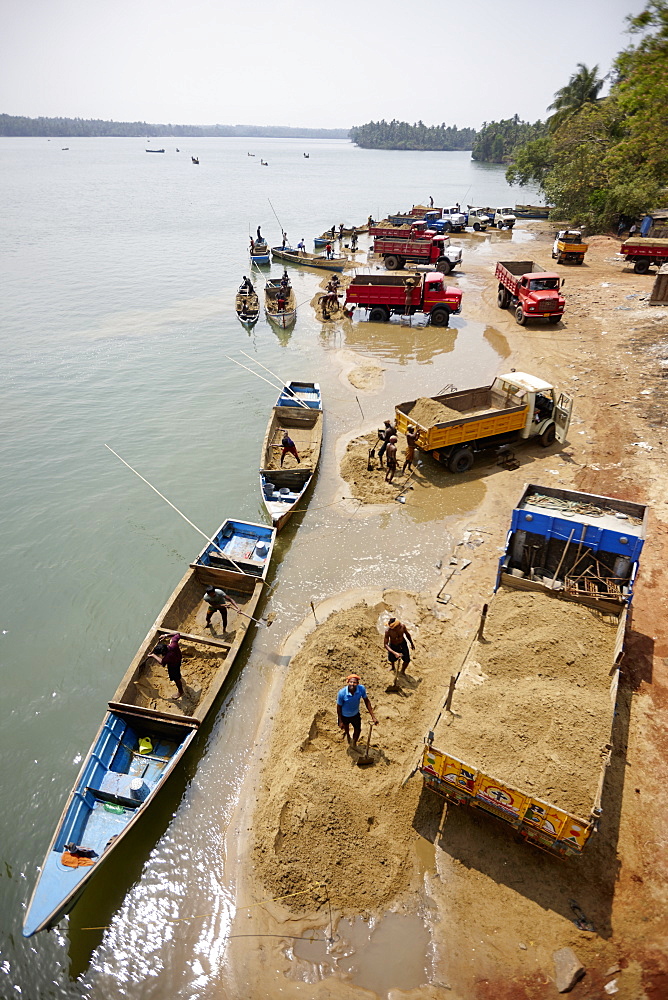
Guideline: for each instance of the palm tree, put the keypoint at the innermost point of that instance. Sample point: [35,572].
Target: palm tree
[582,88]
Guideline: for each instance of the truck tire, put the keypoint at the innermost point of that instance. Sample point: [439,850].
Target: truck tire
[548,436]
[401,263]
[447,227]
[439,317]
[553,319]
[502,298]
[476,227]
[460,461]
[443,265]
[391,262]
[510,225]
[520,317]
[641,266]
[379,314]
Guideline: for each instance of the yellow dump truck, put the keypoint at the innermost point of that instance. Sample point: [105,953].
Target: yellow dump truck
[454,426]
[569,247]
[533,722]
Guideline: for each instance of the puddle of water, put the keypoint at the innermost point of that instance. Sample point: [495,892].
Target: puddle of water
[392,954]
[438,493]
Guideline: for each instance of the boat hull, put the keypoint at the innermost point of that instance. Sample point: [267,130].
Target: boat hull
[310,260]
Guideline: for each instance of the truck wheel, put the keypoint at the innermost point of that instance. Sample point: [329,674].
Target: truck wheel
[461,460]
[447,227]
[641,266]
[440,317]
[520,317]
[510,225]
[443,265]
[476,227]
[401,263]
[379,314]
[391,262]
[548,436]
[553,319]
[502,298]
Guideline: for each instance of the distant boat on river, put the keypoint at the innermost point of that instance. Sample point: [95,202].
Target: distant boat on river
[155,151]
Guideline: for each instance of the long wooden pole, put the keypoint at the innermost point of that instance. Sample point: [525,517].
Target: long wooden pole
[274,375]
[199,530]
[257,374]
[563,556]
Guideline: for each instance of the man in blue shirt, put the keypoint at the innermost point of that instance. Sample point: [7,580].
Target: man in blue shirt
[348,707]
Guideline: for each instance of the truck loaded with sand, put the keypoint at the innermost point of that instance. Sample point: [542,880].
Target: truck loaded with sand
[529,738]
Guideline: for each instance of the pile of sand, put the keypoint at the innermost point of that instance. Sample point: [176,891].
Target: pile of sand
[320,817]
[369,485]
[428,412]
[155,690]
[290,462]
[533,707]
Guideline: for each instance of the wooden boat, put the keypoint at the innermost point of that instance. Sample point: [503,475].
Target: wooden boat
[260,253]
[347,231]
[155,151]
[532,211]
[195,160]
[145,732]
[283,489]
[273,290]
[310,259]
[247,305]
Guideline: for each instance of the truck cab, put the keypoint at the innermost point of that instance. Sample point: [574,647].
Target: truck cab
[437,296]
[548,416]
[504,218]
[453,219]
[569,247]
[478,220]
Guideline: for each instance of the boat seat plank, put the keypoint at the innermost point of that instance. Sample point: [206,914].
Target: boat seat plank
[208,640]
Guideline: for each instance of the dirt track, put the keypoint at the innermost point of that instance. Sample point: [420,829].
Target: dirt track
[497,909]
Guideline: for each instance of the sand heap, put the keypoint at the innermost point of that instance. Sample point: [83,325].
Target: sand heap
[369,485]
[305,453]
[533,707]
[320,817]
[153,688]
[428,412]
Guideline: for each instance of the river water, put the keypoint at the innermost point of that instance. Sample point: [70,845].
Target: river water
[119,272]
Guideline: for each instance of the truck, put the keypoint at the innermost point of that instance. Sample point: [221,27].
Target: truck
[642,252]
[455,426]
[569,247]
[475,218]
[436,251]
[530,290]
[385,294]
[535,719]
[502,218]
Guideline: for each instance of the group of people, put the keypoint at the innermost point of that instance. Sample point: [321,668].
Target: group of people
[329,302]
[349,698]
[388,449]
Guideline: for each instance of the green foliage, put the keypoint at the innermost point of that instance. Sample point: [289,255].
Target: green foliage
[583,88]
[16,125]
[496,142]
[531,163]
[401,135]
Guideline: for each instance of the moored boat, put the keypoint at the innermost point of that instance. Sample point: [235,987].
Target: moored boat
[280,304]
[247,303]
[259,252]
[532,211]
[155,151]
[298,411]
[145,732]
[311,259]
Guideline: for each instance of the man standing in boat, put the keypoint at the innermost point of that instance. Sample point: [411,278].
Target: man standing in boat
[289,447]
[170,656]
[219,601]
[259,236]
[284,237]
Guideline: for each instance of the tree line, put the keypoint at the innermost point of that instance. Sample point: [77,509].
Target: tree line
[18,125]
[496,142]
[401,135]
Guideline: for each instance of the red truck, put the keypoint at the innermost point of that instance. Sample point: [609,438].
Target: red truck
[436,251]
[530,290]
[414,230]
[642,252]
[384,294]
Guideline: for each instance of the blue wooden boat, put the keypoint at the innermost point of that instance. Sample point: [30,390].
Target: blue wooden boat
[260,253]
[298,410]
[145,732]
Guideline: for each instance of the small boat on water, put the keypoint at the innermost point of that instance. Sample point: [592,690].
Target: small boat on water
[532,211]
[247,304]
[310,259]
[280,304]
[155,151]
[145,731]
[195,160]
[307,155]
[259,252]
[284,488]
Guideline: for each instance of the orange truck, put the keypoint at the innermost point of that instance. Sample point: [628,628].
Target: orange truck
[530,290]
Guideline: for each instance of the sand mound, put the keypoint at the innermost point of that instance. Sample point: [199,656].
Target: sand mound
[428,412]
[369,485]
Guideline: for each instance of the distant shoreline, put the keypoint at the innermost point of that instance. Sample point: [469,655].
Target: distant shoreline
[16,126]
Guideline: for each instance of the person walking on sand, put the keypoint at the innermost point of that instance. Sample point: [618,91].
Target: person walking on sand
[396,644]
[348,707]
[219,601]
[411,440]
[391,459]
[385,435]
[328,251]
[289,448]
[170,656]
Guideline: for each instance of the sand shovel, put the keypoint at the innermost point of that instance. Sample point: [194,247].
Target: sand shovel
[367,758]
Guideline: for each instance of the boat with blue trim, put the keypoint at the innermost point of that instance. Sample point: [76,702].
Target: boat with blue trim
[298,411]
[145,731]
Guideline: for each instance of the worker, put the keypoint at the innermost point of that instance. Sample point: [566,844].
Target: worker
[348,707]
[285,281]
[169,655]
[411,440]
[396,642]
[385,436]
[284,237]
[252,244]
[353,240]
[301,246]
[431,201]
[280,301]
[328,251]
[219,601]
[259,235]
[332,232]
[289,447]
[246,286]
[391,459]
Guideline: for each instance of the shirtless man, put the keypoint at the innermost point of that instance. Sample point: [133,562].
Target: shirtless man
[391,459]
[411,440]
[396,644]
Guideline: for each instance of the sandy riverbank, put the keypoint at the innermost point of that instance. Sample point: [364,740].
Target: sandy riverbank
[497,909]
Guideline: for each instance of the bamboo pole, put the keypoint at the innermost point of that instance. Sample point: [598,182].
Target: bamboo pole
[274,375]
[563,556]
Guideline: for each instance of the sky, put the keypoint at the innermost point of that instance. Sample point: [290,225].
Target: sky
[303,63]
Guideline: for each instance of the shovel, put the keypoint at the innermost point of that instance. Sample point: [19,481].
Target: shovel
[367,758]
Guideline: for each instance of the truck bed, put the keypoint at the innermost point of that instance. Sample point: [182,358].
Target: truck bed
[461,416]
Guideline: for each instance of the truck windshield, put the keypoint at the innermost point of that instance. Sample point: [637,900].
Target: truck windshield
[543,284]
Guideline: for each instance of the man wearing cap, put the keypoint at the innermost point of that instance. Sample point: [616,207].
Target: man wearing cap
[348,707]
[396,645]
[170,657]
[218,600]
